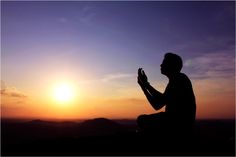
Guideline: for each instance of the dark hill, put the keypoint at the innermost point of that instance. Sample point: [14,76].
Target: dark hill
[100,126]
[39,122]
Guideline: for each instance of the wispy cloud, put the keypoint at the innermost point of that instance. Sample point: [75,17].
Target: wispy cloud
[11,91]
[117,76]
[211,65]
[208,45]
[86,15]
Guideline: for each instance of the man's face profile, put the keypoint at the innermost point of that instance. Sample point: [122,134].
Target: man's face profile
[164,67]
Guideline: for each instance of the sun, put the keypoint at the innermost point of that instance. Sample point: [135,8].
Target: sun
[63,93]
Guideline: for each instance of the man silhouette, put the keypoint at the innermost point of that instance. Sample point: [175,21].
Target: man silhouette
[178,99]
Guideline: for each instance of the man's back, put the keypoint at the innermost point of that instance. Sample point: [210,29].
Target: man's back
[180,100]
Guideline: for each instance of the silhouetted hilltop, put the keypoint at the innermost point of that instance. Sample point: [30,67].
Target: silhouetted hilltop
[100,126]
[38,122]
[100,121]
[49,129]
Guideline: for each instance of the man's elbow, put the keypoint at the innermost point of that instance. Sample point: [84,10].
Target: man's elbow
[157,106]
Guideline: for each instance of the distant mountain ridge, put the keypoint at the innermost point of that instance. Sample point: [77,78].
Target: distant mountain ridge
[100,126]
[44,128]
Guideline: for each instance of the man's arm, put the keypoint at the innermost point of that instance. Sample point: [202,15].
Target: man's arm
[155,98]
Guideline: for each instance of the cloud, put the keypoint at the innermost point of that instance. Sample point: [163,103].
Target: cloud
[11,91]
[3,85]
[211,65]
[207,45]
[213,57]
[117,76]
[86,15]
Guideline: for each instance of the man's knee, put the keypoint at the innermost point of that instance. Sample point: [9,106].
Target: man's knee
[141,120]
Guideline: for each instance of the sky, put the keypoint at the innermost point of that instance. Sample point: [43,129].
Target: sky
[97,47]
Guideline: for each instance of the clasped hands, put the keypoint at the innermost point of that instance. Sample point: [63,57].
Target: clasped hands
[142,78]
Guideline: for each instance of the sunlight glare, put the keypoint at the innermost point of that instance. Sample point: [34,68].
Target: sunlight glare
[63,93]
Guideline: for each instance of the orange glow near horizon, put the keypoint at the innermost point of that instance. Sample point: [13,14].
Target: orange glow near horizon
[128,108]
[69,98]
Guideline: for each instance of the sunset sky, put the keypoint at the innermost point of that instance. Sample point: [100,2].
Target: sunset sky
[96,48]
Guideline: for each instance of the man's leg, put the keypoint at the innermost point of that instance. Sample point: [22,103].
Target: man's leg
[152,121]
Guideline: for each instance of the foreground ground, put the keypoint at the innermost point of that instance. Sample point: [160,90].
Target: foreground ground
[108,137]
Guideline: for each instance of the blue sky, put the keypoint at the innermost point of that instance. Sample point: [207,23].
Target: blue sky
[111,40]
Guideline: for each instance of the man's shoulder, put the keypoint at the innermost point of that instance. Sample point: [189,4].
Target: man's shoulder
[183,77]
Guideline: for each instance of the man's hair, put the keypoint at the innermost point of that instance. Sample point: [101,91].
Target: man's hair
[175,62]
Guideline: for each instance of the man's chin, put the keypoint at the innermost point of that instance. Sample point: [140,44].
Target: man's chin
[163,73]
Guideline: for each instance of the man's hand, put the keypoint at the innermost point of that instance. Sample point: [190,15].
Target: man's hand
[142,78]
[142,75]
[140,82]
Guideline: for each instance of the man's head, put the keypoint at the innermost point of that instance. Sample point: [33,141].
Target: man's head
[171,64]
